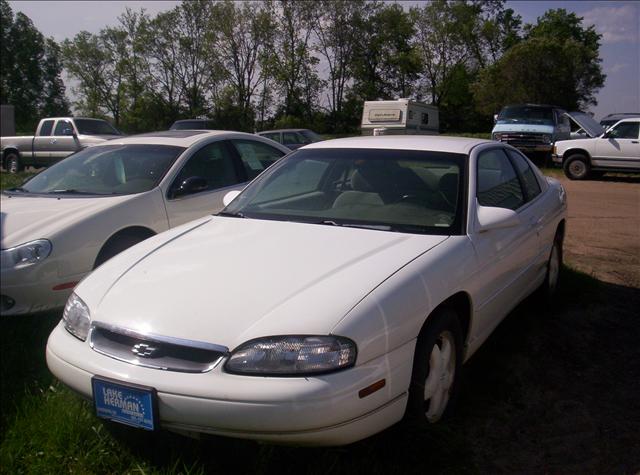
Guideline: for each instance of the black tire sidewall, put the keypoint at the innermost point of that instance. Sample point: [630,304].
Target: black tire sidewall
[444,319]
[574,158]
[548,292]
[12,157]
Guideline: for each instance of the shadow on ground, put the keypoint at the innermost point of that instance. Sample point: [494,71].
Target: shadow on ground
[553,390]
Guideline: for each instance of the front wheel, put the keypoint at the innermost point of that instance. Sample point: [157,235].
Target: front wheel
[554,264]
[436,369]
[577,167]
[12,163]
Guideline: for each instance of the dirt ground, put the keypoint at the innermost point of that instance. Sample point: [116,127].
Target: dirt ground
[603,231]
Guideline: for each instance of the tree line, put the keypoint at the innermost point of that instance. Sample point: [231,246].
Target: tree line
[289,63]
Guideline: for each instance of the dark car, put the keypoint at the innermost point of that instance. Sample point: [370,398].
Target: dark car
[194,124]
[608,120]
[292,138]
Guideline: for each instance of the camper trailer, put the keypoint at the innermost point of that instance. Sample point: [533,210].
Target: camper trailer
[401,117]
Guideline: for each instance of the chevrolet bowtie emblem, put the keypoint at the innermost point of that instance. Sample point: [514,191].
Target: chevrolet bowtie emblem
[143,350]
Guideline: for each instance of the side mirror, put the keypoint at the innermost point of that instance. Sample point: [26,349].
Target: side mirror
[193,184]
[229,197]
[490,217]
[495,117]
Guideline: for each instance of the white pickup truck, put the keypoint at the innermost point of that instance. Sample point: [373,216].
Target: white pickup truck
[55,139]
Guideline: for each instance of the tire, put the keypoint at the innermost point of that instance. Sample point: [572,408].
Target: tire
[12,163]
[577,167]
[432,394]
[554,264]
[117,244]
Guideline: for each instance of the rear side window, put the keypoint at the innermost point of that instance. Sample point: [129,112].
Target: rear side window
[275,137]
[498,184]
[529,180]
[255,156]
[46,128]
[291,138]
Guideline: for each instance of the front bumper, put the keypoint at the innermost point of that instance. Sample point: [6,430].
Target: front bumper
[556,158]
[320,410]
[29,292]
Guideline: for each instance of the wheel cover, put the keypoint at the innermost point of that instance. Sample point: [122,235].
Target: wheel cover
[577,168]
[442,372]
[554,267]
[12,166]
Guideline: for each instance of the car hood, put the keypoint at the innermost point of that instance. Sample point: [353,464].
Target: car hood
[25,218]
[586,122]
[228,280]
[535,128]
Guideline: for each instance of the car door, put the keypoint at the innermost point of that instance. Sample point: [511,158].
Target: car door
[507,257]
[200,185]
[619,147]
[41,143]
[63,143]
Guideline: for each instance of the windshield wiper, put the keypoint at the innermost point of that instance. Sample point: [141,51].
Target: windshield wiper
[379,227]
[18,188]
[73,191]
[231,215]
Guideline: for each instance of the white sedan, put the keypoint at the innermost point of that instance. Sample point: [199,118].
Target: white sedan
[72,217]
[338,293]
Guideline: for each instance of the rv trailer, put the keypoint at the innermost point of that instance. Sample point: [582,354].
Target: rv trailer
[400,117]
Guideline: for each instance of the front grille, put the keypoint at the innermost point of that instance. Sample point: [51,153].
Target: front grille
[155,351]
[522,139]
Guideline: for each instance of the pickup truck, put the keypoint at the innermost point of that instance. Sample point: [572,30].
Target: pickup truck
[55,139]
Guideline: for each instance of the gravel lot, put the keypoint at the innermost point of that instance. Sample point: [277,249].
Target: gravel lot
[603,237]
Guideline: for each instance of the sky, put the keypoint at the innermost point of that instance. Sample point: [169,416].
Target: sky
[617,21]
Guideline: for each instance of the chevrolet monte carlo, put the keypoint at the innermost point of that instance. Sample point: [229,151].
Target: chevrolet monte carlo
[67,220]
[337,294]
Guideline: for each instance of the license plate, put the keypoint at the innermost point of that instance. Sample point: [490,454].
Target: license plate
[125,403]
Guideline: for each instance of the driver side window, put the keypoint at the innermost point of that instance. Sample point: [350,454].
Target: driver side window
[63,128]
[498,184]
[625,130]
[212,163]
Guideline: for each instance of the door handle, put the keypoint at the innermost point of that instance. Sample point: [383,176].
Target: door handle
[634,141]
[54,141]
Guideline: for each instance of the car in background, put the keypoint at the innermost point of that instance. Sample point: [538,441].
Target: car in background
[608,120]
[55,139]
[69,219]
[292,138]
[339,292]
[616,150]
[194,124]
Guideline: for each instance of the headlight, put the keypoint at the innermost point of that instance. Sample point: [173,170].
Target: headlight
[292,355]
[546,138]
[497,137]
[76,317]
[25,254]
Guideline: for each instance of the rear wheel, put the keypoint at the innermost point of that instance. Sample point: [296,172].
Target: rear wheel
[554,264]
[436,369]
[577,167]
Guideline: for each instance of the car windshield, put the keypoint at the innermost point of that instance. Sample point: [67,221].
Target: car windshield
[106,170]
[526,115]
[388,190]
[95,127]
[311,136]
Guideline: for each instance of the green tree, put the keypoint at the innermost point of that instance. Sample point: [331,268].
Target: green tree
[30,71]
[385,63]
[557,63]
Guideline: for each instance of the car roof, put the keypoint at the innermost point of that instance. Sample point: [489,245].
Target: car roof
[180,138]
[436,143]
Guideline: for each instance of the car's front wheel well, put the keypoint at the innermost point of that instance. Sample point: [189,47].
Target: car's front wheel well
[576,151]
[122,240]
[460,302]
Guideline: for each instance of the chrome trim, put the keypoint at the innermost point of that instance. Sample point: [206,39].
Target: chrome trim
[202,345]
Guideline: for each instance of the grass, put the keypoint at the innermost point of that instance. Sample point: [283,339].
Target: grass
[7,180]
[516,406]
